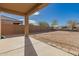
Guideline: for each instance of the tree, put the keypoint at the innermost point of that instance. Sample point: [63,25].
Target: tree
[43,25]
[72,24]
[54,24]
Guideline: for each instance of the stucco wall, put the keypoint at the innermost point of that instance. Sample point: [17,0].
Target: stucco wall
[11,29]
[0,25]
[33,29]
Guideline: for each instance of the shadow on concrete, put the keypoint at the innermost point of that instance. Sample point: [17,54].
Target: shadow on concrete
[29,49]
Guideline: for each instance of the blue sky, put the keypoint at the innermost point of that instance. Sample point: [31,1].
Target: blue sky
[55,11]
[60,12]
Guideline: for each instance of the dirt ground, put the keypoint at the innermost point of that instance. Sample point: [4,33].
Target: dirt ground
[64,40]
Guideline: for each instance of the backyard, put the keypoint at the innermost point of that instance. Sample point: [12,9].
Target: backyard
[50,31]
[64,40]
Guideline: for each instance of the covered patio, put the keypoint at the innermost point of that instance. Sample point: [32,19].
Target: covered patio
[23,9]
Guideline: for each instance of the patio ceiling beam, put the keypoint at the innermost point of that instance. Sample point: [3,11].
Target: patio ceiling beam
[37,7]
[11,11]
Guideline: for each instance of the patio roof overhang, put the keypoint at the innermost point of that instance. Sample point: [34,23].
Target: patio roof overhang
[21,9]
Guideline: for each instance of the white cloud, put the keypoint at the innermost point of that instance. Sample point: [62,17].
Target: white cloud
[21,19]
[36,13]
[33,22]
[30,22]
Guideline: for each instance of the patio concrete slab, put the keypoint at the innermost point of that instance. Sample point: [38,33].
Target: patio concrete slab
[15,47]
[17,52]
[12,46]
[44,49]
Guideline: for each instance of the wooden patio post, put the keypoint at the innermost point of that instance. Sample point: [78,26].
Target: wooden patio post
[26,26]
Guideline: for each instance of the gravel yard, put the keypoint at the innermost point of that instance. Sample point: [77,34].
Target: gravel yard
[64,40]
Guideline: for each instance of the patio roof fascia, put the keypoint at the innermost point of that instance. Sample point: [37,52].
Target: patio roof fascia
[11,11]
[37,7]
